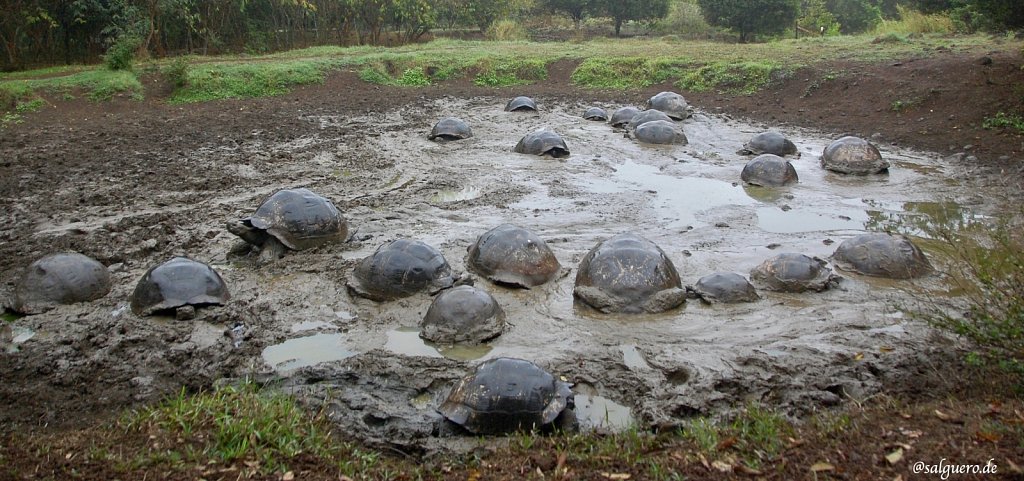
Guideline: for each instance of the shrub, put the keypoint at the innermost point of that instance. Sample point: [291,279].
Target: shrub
[915,22]
[121,55]
[506,31]
[176,72]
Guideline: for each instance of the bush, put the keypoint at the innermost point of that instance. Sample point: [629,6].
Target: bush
[685,19]
[915,22]
[506,31]
[176,72]
[121,55]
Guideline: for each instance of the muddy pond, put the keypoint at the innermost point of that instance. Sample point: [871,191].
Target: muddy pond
[293,323]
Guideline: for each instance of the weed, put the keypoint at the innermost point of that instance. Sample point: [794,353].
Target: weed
[176,72]
[1002,120]
[625,73]
[9,316]
[704,432]
[734,77]
[374,75]
[413,77]
[914,22]
[121,55]
[760,433]
[830,423]
[511,71]
[900,105]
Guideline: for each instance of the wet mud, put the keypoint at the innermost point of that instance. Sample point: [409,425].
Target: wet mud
[292,322]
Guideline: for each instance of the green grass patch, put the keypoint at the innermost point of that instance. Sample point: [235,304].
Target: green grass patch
[100,84]
[1003,120]
[733,77]
[504,72]
[913,22]
[205,82]
[626,73]
[756,435]
[9,316]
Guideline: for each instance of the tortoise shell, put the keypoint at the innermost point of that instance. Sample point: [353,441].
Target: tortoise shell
[768,143]
[400,269]
[521,104]
[450,128]
[508,254]
[789,272]
[621,117]
[882,255]
[673,104]
[769,170]
[463,314]
[628,273]
[542,142]
[298,218]
[64,278]
[726,287]
[176,283]
[645,116]
[853,155]
[595,113]
[660,132]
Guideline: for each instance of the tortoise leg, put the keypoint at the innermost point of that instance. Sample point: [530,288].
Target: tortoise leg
[185,312]
[272,250]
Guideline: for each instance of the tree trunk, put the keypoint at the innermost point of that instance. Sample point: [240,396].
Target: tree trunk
[618,26]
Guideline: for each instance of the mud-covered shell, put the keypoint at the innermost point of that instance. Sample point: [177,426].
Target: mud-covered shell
[596,113]
[661,132]
[621,117]
[727,287]
[882,255]
[769,170]
[645,116]
[853,155]
[508,254]
[463,314]
[450,128]
[543,142]
[300,219]
[521,104]
[790,272]
[64,278]
[769,143]
[673,104]
[506,395]
[628,273]
[400,269]
[178,282]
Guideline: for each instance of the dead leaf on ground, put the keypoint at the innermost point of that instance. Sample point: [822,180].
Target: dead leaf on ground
[726,443]
[949,418]
[617,476]
[289,476]
[722,466]
[822,467]
[1014,468]
[858,356]
[988,436]
[895,456]
[743,469]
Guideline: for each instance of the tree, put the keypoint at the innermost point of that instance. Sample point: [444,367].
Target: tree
[485,12]
[855,16]
[749,17]
[621,11]
[816,18]
[575,9]
[1005,13]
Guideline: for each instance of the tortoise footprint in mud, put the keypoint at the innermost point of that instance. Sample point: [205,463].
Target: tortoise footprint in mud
[295,219]
[400,269]
[628,273]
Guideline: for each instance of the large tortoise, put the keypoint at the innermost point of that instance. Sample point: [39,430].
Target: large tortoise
[645,116]
[521,104]
[296,219]
[726,287]
[400,269]
[543,142]
[512,255]
[769,170]
[621,117]
[768,143]
[673,104]
[450,128]
[596,114]
[506,395]
[463,314]
[180,285]
[882,255]
[628,273]
[661,132]
[853,155]
[790,272]
[64,278]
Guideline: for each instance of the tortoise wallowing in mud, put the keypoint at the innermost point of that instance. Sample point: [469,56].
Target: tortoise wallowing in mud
[521,104]
[769,170]
[64,278]
[294,219]
[596,114]
[180,284]
[660,132]
[645,116]
[628,273]
[543,142]
[768,143]
[853,155]
[463,314]
[789,272]
[449,129]
[621,117]
[511,255]
[673,104]
[882,255]
[507,395]
[726,287]
[400,269]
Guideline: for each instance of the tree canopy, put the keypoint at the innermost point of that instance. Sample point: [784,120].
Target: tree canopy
[751,17]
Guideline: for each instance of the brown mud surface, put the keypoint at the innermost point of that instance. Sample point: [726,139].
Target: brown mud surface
[132,183]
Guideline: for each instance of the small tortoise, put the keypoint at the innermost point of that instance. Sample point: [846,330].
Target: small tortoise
[673,104]
[768,143]
[621,117]
[853,155]
[769,170]
[521,104]
[512,255]
[661,132]
[645,116]
[294,219]
[882,255]
[596,114]
[506,395]
[64,278]
[727,287]
[180,285]
[789,272]
[628,273]
[463,314]
[542,142]
[400,269]
[450,128]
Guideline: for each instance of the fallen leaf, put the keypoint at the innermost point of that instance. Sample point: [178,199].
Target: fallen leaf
[911,433]
[726,443]
[345,478]
[905,415]
[289,476]
[741,468]
[1014,468]
[858,356]
[988,436]
[619,476]
[722,466]
[895,456]
[704,461]
[885,349]
[949,418]
[560,464]
[822,466]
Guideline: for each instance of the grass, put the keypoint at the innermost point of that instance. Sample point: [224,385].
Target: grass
[733,77]
[1003,120]
[206,82]
[913,22]
[626,72]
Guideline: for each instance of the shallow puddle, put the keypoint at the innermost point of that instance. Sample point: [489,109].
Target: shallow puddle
[307,351]
[406,341]
[596,412]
